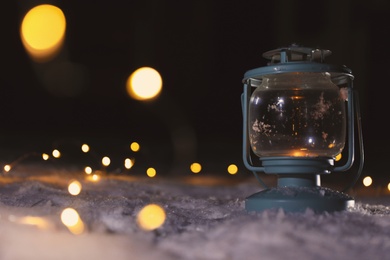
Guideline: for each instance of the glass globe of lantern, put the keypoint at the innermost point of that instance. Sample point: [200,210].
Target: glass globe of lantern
[298,114]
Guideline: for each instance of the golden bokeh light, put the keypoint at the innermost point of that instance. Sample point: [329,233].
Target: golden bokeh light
[232,169]
[129,163]
[95,178]
[144,83]
[388,186]
[88,170]
[7,168]
[38,222]
[195,167]
[56,153]
[367,181]
[45,156]
[74,188]
[106,161]
[43,31]
[151,217]
[134,146]
[151,172]
[71,219]
[85,148]
[338,157]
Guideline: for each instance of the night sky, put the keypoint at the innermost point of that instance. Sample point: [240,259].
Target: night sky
[202,50]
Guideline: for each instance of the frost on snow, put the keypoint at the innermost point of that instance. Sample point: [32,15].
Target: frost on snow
[202,222]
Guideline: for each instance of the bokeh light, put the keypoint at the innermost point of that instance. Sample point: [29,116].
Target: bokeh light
[195,167]
[7,168]
[74,188]
[71,219]
[144,83]
[85,148]
[43,31]
[367,181]
[88,170]
[45,156]
[232,169]
[151,217]
[134,146]
[106,161]
[151,172]
[129,163]
[56,153]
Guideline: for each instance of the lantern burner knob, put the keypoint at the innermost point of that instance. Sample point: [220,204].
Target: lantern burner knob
[296,53]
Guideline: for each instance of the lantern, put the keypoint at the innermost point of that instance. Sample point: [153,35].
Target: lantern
[299,115]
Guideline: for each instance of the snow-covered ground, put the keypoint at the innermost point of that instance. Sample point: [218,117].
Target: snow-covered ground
[204,219]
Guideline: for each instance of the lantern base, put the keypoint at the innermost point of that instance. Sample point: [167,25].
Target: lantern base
[298,199]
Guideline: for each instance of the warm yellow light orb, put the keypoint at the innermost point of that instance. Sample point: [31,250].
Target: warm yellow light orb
[151,172]
[85,148]
[144,83]
[74,188]
[129,163]
[69,217]
[106,161]
[88,170]
[195,167]
[151,217]
[45,156]
[367,181]
[56,153]
[232,169]
[7,168]
[134,146]
[43,31]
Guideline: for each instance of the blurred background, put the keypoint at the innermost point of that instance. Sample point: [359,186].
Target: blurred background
[201,50]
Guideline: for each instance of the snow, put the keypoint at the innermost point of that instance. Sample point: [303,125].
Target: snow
[205,219]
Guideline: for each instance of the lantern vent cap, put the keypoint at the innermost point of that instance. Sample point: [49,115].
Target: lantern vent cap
[296,53]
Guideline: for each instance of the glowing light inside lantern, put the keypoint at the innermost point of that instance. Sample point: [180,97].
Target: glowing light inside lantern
[106,161]
[232,169]
[74,188]
[56,153]
[151,172]
[367,181]
[195,167]
[71,219]
[43,31]
[388,186]
[144,83]
[85,148]
[151,217]
[134,146]
[129,163]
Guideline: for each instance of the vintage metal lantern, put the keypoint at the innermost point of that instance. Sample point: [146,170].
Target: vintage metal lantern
[299,114]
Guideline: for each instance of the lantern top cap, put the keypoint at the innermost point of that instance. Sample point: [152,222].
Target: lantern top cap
[296,53]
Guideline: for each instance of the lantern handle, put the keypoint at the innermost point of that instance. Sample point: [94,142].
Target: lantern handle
[361,146]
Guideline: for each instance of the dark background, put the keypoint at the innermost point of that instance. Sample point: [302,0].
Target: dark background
[202,50]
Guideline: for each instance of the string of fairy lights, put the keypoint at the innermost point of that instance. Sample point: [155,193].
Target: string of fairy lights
[96,169]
